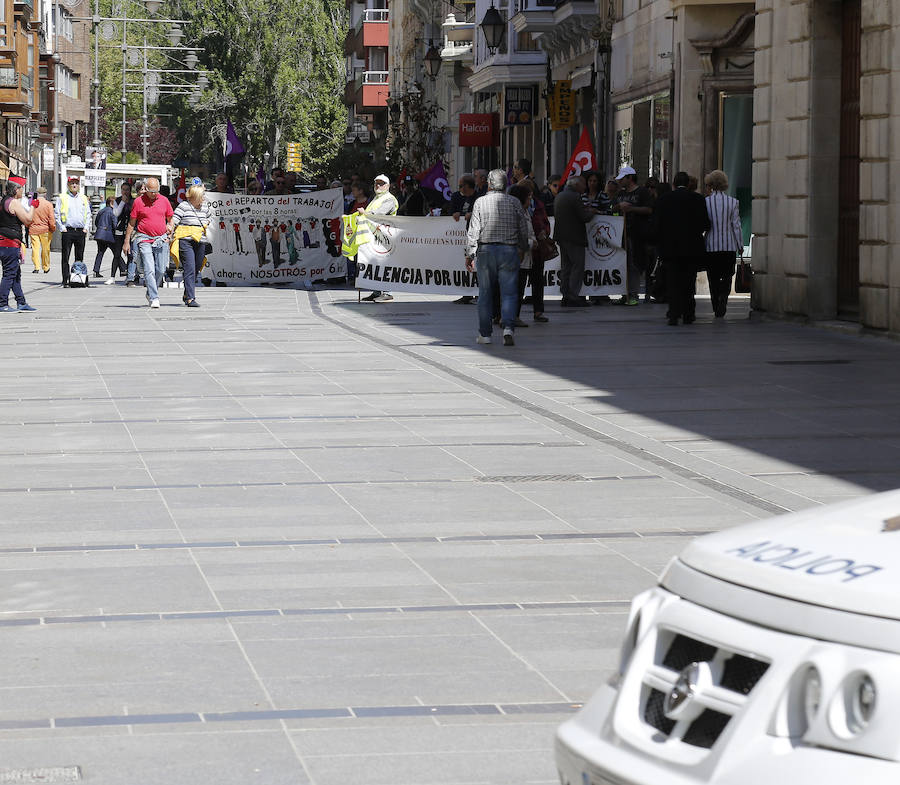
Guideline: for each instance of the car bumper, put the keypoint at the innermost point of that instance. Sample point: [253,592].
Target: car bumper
[589,753]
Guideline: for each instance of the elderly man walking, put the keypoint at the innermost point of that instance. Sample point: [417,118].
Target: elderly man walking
[570,233]
[151,225]
[495,242]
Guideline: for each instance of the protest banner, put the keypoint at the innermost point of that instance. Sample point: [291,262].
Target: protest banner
[427,256]
[294,238]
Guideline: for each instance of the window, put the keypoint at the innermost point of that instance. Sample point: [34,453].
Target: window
[64,23]
[4,40]
[378,59]
[525,43]
[67,81]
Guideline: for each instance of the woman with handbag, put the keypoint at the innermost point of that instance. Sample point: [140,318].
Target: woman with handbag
[543,249]
[723,240]
[192,220]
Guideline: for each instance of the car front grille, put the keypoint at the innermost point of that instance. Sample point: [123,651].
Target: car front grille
[731,670]
[655,715]
[706,729]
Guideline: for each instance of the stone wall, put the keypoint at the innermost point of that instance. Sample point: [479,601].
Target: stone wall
[796,159]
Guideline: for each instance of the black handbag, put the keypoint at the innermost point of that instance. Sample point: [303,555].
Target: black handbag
[743,277]
[545,250]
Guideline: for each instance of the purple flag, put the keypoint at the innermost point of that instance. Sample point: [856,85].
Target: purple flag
[233,145]
[436,179]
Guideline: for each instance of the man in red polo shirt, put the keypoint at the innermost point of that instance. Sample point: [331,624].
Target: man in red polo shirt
[151,224]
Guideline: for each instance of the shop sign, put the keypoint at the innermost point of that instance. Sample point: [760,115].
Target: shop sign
[562,105]
[518,105]
[479,130]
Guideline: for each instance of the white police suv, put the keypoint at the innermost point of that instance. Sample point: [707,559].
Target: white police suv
[768,654]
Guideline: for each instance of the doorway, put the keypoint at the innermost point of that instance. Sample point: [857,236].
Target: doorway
[848,178]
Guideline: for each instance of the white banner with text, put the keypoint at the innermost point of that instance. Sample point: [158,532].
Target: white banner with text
[293,238]
[427,255]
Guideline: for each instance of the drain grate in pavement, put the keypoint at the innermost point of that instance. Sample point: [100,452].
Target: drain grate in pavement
[50,774]
[534,478]
[808,362]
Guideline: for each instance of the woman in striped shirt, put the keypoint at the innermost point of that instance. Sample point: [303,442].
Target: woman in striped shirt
[192,220]
[723,240]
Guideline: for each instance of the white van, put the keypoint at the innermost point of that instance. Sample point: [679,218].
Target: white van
[768,654]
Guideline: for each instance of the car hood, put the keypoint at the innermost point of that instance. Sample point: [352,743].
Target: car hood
[844,556]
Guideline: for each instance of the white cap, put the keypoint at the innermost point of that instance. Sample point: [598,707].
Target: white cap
[624,172]
[383,178]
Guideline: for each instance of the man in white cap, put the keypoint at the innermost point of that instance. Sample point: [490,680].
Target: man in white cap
[73,217]
[384,203]
[635,204]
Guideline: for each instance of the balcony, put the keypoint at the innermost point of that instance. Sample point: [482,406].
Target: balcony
[15,97]
[369,90]
[458,40]
[24,8]
[371,29]
[544,16]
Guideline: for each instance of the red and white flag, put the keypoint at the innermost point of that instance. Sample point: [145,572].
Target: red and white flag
[181,193]
[582,160]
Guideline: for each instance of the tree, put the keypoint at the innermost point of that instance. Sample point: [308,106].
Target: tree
[277,74]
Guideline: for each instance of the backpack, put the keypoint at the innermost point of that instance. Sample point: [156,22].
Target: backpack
[79,275]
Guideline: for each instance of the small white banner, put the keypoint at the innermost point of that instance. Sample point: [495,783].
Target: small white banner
[427,255]
[276,239]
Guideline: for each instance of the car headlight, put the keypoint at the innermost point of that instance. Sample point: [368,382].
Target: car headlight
[860,695]
[812,695]
[629,644]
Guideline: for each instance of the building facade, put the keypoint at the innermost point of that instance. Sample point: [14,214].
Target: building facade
[366,50]
[19,99]
[826,172]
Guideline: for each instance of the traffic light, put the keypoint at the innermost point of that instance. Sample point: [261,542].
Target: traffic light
[294,162]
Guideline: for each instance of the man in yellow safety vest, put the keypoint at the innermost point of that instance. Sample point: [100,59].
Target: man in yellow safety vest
[384,203]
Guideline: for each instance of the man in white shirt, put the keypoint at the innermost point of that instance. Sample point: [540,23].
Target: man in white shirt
[73,217]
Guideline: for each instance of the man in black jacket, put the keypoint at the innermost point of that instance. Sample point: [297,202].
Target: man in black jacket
[680,220]
[122,211]
[571,235]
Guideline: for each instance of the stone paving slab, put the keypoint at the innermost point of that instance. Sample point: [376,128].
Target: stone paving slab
[292,538]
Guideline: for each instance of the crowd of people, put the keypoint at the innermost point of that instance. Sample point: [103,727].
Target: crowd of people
[671,232]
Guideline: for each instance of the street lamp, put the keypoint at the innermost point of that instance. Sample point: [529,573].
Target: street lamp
[190,59]
[153,6]
[493,26]
[432,61]
[175,34]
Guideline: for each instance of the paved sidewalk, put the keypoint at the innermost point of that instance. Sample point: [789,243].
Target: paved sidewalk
[291,538]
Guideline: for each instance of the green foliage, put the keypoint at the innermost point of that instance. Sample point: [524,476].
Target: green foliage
[416,141]
[277,75]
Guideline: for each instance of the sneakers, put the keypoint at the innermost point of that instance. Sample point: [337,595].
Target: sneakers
[130,284]
[192,304]
[7,309]
[35,272]
[483,339]
[520,322]
[372,297]
[110,281]
[154,303]
[508,339]
[539,317]
[384,298]
[26,307]
[632,301]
